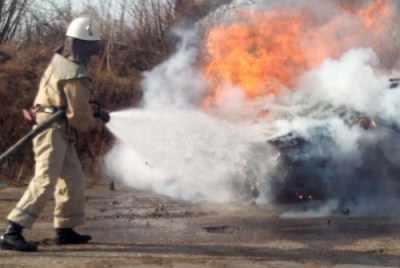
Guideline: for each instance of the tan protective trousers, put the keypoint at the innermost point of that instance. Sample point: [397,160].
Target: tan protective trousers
[57,170]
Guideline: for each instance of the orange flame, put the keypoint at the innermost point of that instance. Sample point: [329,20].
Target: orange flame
[244,54]
[375,15]
[263,52]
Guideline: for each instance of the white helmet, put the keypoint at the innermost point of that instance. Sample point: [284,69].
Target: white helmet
[84,29]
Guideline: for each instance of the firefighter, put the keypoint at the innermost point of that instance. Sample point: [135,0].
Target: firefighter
[66,84]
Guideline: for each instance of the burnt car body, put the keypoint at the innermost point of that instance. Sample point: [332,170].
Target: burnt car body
[300,175]
[314,168]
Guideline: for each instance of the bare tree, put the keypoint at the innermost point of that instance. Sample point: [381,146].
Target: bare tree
[189,12]
[12,13]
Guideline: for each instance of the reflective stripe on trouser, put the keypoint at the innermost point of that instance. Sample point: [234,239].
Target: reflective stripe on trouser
[57,171]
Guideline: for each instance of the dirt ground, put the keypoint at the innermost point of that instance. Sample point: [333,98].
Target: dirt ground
[133,228]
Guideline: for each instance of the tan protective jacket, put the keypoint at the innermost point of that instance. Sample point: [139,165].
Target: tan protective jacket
[66,84]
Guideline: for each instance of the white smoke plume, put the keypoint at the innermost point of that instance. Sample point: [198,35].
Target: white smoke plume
[184,154]
[173,147]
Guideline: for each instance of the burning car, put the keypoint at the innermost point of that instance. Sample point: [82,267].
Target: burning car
[307,165]
[311,165]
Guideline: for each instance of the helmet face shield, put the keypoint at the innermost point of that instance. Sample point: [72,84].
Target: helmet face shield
[83,28]
[85,49]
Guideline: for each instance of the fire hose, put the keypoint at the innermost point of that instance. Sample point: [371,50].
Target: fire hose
[60,114]
[28,137]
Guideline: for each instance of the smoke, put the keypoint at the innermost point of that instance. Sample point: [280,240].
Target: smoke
[181,153]
[352,82]
[176,82]
[171,147]
[326,209]
[176,147]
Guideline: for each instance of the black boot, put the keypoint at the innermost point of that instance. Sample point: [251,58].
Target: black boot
[13,239]
[69,236]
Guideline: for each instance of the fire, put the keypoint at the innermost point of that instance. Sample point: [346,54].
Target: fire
[301,196]
[373,14]
[263,52]
[245,55]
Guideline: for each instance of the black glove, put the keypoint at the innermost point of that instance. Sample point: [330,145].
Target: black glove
[103,115]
